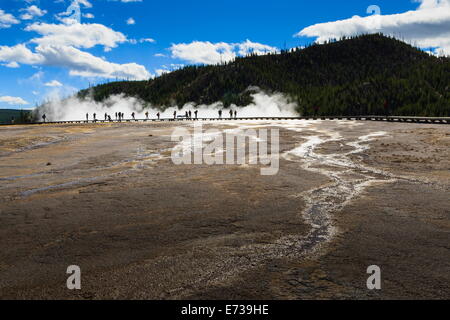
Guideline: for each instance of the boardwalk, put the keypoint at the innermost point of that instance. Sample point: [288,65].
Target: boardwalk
[425,120]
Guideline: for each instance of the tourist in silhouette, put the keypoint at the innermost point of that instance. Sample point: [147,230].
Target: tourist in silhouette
[109,118]
[220,114]
[146,115]
[231,114]
[235,114]
[132,115]
[44,117]
[196,114]
[123,116]
[158,115]
[95,117]
[87,117]
[116,115]
[386,108]
[190,114]
[175,114]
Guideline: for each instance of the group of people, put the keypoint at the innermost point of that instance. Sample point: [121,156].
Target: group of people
[119,116]
[188,114]
[231,114]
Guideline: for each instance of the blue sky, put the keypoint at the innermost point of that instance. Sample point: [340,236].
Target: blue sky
[45,54]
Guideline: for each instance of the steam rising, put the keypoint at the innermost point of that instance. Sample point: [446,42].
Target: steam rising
[264,105]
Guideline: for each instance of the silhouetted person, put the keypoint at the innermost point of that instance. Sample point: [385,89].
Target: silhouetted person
[220,114]
[87,117]
[106,116]
[44,117]
[158,115]
[175,114]
[95,117]
[235,114]
[196,114]
[190,114]
[386,108]
[109,118]
[132,115]
[116,115]
[123,116]
[231,114]
[146,115]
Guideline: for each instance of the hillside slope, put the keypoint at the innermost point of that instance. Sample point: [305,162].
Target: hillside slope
[370,74]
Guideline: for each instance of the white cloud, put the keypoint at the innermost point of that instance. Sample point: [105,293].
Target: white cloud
[13,100]
[32,12]
[59,46]
[255,48]
[88,16]
[21,54]
[84,64]
[213,53]
[428,26]
[78,35]
[78,62]
[160,72]
[7,19]
[53,83]
[11,64]
[131,21]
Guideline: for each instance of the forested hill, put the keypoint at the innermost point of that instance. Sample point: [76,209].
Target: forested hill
[370,74]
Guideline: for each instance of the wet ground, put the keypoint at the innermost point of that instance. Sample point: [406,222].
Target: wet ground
[108,198]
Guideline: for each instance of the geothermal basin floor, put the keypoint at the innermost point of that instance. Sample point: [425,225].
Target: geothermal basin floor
[108,198]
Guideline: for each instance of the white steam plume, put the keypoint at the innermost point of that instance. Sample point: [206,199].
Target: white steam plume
[264,105]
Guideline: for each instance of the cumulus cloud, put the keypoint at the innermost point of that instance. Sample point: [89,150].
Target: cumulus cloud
[31,12]
[131,21]
[21,54]
[78,35]
[13,100]
[78,62]
[428,26]
[205,52]
[7,20]
[59,45]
